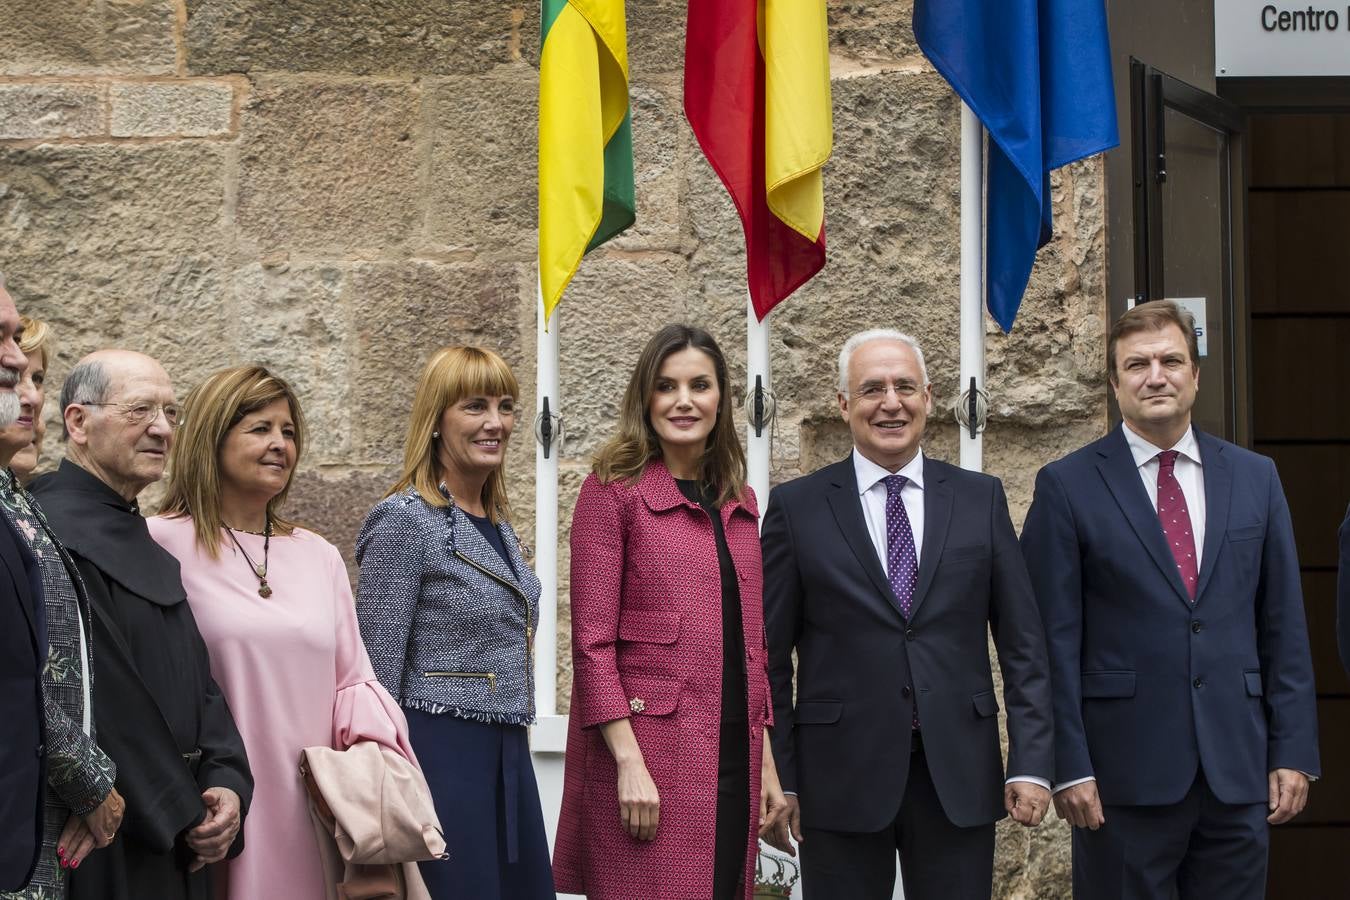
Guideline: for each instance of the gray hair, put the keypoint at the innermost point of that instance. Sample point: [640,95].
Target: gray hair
[877,334]
[88,382]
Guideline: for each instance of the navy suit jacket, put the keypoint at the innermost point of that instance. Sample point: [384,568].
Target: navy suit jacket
[1343,595]
[844,744]
[1150,688]
[23,651]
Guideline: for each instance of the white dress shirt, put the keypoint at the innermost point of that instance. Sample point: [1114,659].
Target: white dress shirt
[872,492]
[1190,476]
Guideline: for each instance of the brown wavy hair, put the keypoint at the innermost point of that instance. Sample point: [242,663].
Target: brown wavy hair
[209,412]
[626,454]
[452,374]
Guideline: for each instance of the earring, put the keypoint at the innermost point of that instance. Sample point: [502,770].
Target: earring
[435,435]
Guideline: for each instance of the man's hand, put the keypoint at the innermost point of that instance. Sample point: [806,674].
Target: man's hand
[1080,806]
[788,821]
[211,839]
[1288,795]
[1026,802]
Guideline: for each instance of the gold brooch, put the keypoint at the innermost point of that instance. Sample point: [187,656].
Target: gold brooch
[637,704]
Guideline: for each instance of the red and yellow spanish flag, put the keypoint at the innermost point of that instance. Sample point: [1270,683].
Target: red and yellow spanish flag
[757,93]
[585,136]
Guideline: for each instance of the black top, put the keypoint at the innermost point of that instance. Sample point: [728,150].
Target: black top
[492,535]
[733,632]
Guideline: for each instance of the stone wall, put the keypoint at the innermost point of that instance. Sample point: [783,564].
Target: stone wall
[336,188]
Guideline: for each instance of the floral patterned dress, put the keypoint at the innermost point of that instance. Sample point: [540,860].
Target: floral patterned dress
[79,774]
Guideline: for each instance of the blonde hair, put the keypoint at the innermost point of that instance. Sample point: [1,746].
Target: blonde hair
[209,412]
[37,337]
[452,374]
[627,453]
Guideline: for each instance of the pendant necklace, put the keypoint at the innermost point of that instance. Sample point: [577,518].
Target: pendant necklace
[264,590]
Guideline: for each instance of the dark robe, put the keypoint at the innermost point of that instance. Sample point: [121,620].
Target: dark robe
[157,705]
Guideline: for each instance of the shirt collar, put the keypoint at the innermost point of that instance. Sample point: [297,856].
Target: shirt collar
[1143,451]
[869,473]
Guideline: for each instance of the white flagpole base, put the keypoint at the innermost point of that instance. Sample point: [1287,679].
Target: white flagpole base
[546,520]
[757,447]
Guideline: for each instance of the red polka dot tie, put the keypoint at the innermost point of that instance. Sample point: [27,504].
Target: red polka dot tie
[1176,521]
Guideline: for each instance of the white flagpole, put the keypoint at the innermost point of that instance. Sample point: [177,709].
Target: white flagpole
[546,514]
[972,276]
[757,366]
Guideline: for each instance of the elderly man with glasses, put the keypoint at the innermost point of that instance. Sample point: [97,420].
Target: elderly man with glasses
[180,759]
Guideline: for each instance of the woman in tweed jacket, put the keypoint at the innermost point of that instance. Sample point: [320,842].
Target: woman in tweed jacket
[82,810]
[447,605]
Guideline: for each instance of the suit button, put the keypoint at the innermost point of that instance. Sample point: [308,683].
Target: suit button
[905,692]
[909,634]
[1198,683]
[1197,626]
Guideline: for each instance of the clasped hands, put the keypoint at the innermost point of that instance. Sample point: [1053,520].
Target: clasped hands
[95,829]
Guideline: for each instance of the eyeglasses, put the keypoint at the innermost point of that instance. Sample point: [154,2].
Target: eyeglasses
[142,412]
[875,392]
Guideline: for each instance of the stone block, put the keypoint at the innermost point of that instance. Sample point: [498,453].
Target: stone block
[482,193]
[614,305]
[656,30]
[401,313]
[298,327]
[662,145]
[94,209]
[47,110]
[872,31]
[184,109]
[329,167]
[335,506]
[183,306]
[393,37]
[86,37]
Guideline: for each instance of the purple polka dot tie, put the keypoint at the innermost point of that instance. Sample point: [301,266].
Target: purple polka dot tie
[902,563]
[1176,521]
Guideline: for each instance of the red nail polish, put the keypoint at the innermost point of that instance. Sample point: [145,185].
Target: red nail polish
[60,851]
[75,864]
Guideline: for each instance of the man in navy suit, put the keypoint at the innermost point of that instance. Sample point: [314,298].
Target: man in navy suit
[23,650]
[1343,595]
[885,572]
[1164,563]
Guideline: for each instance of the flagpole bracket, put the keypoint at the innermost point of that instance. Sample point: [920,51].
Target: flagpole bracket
[760,406]
[548,429]
[972,409]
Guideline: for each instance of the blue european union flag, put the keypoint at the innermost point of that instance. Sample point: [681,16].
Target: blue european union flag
[1037,73]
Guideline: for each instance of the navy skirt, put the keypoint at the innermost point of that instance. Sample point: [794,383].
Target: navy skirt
[482,781]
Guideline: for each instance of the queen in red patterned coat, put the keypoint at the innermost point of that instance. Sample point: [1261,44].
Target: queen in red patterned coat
[669,777]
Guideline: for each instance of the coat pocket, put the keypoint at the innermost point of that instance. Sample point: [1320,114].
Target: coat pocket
[649,626]
[1107,685]
[649,695]
[819,712]
[986,704]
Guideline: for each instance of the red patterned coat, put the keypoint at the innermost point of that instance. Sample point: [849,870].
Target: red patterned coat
[647,643]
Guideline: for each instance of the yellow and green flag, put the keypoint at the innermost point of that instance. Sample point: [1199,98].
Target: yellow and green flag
[585,136]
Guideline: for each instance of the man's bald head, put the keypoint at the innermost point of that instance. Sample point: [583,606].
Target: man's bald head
[118,412]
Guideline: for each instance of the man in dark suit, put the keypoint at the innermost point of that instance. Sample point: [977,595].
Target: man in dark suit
[1164,564]
[885,572]
[1343,595]
[23,650]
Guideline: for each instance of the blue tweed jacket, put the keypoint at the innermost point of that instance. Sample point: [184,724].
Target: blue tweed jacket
[448,626]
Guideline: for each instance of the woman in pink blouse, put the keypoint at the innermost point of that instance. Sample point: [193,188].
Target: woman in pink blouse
[275,608]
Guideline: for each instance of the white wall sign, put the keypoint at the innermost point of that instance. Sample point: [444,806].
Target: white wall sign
[1259,38]
[1196,307]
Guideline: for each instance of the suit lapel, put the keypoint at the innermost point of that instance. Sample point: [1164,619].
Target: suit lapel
[846,505]
[937,515]
[1122,478]
[1218,479]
